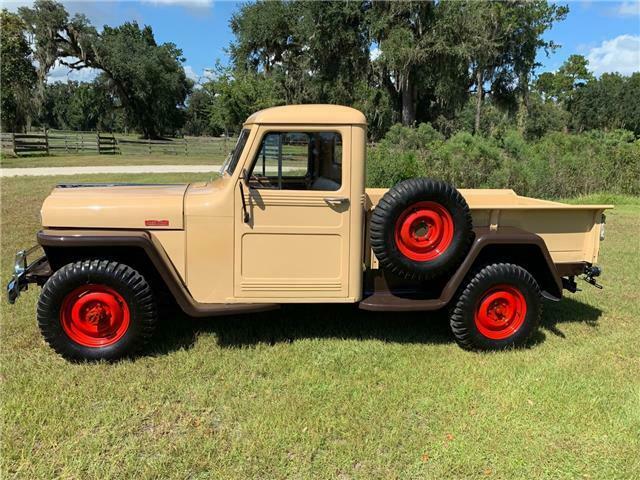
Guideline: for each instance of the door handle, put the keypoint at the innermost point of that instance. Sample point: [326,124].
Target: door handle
[335,201]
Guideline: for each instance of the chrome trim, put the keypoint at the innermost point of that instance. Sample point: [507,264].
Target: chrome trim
[21,267]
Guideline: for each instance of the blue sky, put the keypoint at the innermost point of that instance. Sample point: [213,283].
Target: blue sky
[606,32]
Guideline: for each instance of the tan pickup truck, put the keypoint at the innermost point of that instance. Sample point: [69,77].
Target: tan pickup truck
[289,220]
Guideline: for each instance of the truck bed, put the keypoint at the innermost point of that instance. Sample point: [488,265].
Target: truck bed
[570,231]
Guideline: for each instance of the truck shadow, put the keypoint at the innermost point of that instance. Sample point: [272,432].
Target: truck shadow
[568,310]
[295,322]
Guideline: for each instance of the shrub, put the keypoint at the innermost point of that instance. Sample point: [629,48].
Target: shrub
[557,165]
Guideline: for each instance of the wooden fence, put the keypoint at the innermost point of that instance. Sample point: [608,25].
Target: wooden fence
[57,142]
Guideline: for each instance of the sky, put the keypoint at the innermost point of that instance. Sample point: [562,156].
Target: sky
[606,32]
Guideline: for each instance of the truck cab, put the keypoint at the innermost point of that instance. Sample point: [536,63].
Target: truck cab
[289,220]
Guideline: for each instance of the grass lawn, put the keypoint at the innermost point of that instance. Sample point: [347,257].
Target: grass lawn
[100,160]
[328,392]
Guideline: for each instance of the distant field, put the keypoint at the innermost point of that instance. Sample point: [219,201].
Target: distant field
[81,149]
[328,391]
[89,160]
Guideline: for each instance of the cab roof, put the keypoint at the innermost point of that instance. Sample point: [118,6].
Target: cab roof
[308,114]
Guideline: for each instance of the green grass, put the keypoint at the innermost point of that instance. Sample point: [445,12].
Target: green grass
[328,392]
[100,160]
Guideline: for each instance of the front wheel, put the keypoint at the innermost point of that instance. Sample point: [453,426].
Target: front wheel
[96,310]
[500,307]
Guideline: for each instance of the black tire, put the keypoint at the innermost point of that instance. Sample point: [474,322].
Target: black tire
[392,208]
[127,285]
[465,315]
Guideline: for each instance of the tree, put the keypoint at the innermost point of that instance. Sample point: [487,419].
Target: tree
[317,51]
[610,102]
[148,79]
[17,74]
[198,113]
[237,94]
[402,31]
[502,40]
[560,87]
[77,106]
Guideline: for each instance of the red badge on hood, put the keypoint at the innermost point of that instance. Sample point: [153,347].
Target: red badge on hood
[156,223]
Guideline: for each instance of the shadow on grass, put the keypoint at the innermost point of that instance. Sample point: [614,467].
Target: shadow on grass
[295,322]
[568,310]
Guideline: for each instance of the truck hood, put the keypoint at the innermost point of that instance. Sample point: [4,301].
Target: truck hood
[139,206]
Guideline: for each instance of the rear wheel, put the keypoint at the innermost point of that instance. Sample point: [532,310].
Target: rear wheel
[500,307]
[96,309]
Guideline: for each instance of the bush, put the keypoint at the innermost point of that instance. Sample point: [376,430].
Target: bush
[557,165]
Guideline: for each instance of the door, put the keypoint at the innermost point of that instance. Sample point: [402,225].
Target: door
[294,245]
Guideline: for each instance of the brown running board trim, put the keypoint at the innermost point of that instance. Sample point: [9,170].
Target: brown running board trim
[159,259]
[383,299]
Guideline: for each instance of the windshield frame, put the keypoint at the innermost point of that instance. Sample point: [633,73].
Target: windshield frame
[231,162]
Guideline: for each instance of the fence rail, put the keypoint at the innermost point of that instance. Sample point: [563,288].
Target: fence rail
[58,142]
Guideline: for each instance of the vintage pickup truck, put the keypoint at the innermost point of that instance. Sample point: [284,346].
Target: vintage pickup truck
[289,220]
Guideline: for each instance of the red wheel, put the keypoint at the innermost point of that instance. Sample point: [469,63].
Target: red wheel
[424,231]
[421,229]
[94,315]
[500,312]
[498,308]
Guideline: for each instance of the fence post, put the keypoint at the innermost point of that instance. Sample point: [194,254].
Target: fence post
[82,142]
[66,145]
[149,144]
[46,140]
[98,140]
[13,143]
[186,147]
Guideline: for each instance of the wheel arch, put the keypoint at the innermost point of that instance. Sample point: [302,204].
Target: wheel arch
[138,250]
[510,245]
[530,256]
[506,245]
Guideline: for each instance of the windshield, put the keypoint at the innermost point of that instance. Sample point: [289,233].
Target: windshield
[232,160]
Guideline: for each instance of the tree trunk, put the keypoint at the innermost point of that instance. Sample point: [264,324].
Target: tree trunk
[479,98]
[407,90]
[523,104]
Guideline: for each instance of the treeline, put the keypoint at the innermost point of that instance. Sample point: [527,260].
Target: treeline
[459,66]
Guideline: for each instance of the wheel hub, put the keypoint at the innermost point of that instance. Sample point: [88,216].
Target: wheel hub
[500,312]
[424,231]
[94,315]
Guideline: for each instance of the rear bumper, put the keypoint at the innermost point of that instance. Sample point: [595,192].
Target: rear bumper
[38,271]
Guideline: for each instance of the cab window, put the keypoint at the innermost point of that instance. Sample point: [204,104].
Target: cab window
[298,161]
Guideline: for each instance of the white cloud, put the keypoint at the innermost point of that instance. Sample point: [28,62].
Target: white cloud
[629,8]
[621,54]
[190,73]
[61,74]
[374,53]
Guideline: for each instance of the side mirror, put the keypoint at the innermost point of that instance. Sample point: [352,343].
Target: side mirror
[245,177]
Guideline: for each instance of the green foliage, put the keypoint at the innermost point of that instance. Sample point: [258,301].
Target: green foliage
[198,114]
[570,77]
[544,117]
[316,51]
[609,102]
[77,106]
[17,74]
[557,165]
[234,95]
[147,79]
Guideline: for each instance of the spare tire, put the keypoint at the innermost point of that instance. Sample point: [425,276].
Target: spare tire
[421,229]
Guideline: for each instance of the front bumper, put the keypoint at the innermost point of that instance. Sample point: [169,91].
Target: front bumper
[25,273]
